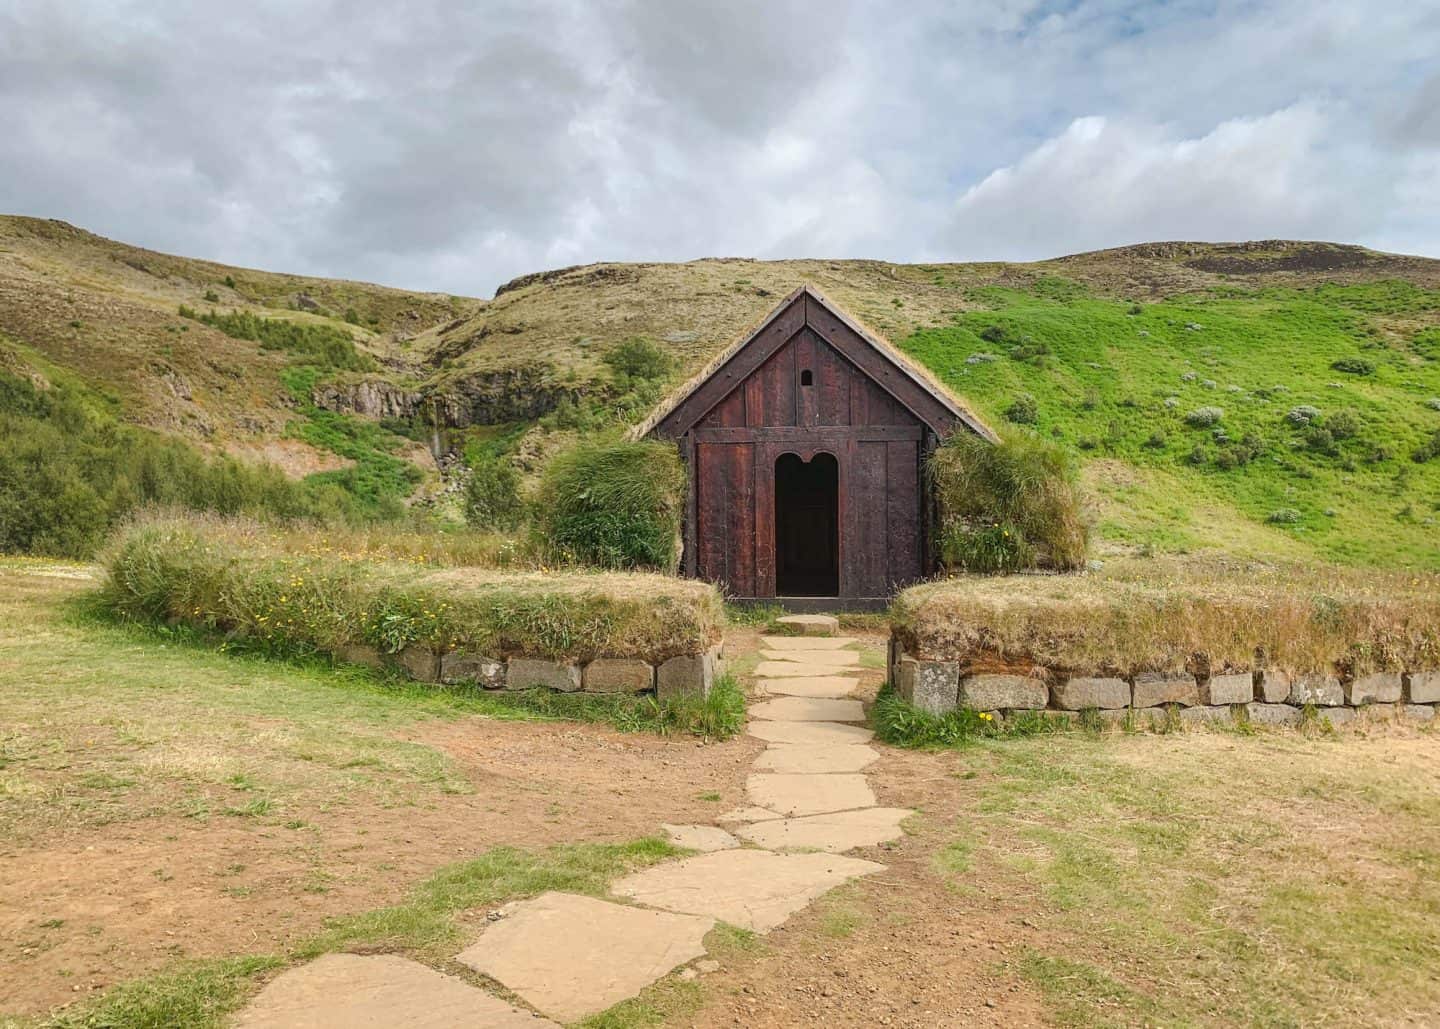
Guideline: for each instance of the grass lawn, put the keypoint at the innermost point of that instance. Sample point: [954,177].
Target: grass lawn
[1214,879]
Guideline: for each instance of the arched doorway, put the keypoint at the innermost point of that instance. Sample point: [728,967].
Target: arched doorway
[807,526]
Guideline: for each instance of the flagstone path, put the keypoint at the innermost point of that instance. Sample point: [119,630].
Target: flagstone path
[569,956]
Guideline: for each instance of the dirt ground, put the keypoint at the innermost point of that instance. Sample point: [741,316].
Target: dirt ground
[132,896]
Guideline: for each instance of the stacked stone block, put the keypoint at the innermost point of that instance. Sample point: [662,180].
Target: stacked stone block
[1268,696]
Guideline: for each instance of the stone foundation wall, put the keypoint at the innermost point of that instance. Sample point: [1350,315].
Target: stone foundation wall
[1267,696]
[686,673]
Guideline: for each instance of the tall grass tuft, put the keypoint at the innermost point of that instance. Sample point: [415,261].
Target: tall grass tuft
[1008,506]
[613,505]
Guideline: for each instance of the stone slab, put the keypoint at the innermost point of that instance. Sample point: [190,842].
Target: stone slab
[998,692]
[1418,712]
[704,838]
[377,991]
[1230,688]
[808,732]
[360,654]
[1273,714]
[811,686]
[792,793]
[1318,689]
[458,667]
[931,686]
[525,673]
[1207,714]
[799,669]
[572,956]
[618,675]
[1422,688]
[809,709]
[811,625]
[1151,689]
[748,814]
[816,760]
[1272,686]
[1376,688]
[687,674]
[826,658]
[835,832]
[420,663]
[1083,692]
[753,889]
[807,642]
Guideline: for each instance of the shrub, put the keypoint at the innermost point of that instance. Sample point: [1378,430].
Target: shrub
[1320,439]
[993,334]
[322,345]
[1428,450]
[492,494]
[1023,410]
[69,472]
[639,358]
[1283,516]
[613,505]
[1433,403]
[1009,505]
[1343,425]
[1204,417]
[1155,441]
[1302,415]
[1353,366]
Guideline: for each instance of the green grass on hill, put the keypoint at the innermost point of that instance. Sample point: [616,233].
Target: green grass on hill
[1228,401]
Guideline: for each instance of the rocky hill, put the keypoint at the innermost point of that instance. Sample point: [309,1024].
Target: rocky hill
[1113,353]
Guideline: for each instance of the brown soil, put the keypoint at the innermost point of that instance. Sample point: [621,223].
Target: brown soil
[135,895]
[294,457]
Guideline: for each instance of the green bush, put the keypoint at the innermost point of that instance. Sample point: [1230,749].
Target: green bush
[1007,506]
[322,345]
[613,505]
[1023,410]
[1204,417]
[492,494]
[639,358]
[1353,366]
[69,472]
[1428,450]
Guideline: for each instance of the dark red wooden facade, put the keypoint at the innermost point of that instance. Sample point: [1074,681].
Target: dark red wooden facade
[809,383]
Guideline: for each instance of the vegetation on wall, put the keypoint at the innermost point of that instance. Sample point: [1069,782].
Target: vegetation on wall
[1008,506]
[613,505]
[261,585]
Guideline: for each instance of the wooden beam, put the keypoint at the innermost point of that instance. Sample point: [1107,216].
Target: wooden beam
[818,435]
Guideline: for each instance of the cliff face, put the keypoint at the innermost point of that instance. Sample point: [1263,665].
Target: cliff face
[484,398]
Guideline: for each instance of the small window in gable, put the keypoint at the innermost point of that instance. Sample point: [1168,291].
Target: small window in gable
[807,378]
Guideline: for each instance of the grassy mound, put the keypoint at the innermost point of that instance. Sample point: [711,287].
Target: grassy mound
[267,586]
[1142,615]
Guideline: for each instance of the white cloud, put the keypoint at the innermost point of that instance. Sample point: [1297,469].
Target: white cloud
[1107,181]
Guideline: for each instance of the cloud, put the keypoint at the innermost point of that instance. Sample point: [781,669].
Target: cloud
[1103,182]
[451,146]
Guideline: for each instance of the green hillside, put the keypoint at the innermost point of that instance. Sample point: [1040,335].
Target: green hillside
[1270,421]
[1322,362]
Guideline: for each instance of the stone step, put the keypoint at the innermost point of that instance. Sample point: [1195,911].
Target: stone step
[704,838]
[809,709]
[825,658]
[572,957]
[377,991]
[807,642]
[751,889]
[837,686]
[799,669]
[808,732]
[794,793]
[811,625]
[816,760]
[834,832]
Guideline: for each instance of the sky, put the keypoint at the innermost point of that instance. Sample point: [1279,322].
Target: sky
[452,146]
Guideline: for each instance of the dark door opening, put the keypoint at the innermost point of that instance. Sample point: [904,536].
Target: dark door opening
[807,526]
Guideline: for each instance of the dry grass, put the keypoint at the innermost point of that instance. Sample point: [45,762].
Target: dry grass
[263,587]
[1151,615]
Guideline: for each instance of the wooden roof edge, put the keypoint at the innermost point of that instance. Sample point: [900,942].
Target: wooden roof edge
[917,372]
[914,371]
